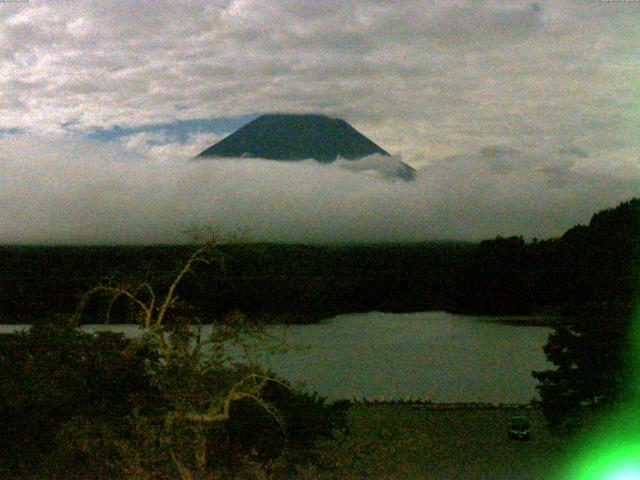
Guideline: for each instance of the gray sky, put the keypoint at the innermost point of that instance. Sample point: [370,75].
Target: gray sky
[521,117]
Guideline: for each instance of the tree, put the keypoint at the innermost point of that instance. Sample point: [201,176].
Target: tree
[592,356]
[496,278]
[197,380]
[194,421]
[175,402]
[594,353]
[53,377]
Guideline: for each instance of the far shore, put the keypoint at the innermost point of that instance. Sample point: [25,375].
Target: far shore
[539,320]
[526,320]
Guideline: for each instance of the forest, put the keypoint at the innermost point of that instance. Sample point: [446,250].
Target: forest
[589,264]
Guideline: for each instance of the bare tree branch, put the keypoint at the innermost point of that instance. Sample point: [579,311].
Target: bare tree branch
[235,394]
[185,473]
[196,257]
[114,292]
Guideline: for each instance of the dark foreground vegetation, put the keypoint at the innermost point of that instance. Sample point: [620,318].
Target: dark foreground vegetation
[73,405]
[170,404]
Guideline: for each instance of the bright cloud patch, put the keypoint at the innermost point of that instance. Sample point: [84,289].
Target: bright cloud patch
[88,192]
[380,166]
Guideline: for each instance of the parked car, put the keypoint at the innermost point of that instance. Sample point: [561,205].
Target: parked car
[519,428]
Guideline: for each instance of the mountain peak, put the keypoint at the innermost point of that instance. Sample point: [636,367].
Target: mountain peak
[288,136]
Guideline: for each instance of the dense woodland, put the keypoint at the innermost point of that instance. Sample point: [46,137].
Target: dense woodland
[595,354]
[298,282]
[303,283]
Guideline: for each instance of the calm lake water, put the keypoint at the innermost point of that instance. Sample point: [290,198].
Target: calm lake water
[428,355]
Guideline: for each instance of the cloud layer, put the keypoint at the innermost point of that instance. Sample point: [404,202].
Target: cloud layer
[521,116]
[58,194]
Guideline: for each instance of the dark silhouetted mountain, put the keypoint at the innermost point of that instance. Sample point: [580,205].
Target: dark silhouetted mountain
[288,137]
[295,137]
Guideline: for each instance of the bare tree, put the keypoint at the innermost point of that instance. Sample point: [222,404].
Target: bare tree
[186,352]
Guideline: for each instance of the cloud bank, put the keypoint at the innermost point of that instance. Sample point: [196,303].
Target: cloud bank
[60,193]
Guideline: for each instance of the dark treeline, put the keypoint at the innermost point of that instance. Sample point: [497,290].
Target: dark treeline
[594,352]
[588,264]
[596,264]
[285,282]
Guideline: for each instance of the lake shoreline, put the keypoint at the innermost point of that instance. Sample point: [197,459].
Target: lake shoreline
[525,320]
[314,318]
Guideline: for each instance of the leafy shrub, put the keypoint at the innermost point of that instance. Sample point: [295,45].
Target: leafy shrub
[55,374]
[304,418]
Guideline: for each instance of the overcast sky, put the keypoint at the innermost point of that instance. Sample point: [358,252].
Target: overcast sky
[520,117]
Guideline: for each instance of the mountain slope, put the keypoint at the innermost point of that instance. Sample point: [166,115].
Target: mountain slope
[295,137]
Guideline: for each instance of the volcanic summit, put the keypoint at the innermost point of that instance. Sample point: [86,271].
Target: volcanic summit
[289,137]
[295,137]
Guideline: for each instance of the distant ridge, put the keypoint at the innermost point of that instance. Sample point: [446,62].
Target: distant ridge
[283,136]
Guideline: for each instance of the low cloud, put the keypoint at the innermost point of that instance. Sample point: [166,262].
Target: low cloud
[380,166]
[74,191]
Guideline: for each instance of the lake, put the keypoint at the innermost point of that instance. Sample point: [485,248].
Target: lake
[437,356]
